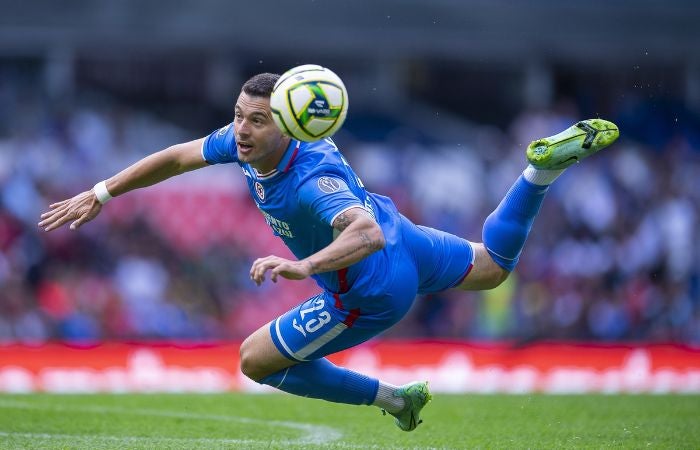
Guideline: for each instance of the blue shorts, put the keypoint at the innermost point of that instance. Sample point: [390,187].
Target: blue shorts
[428,261]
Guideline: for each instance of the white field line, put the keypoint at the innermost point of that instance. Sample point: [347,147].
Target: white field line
[87,439]
[311,434]
[90,440]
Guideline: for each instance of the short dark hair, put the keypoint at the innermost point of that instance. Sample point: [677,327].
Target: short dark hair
[260,85]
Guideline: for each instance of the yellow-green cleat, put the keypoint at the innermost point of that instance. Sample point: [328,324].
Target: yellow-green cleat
[415,395]
[572,145]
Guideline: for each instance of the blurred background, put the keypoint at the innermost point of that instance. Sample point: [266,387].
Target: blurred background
[444,97]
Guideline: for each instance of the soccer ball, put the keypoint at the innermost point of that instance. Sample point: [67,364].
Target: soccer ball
[309,103]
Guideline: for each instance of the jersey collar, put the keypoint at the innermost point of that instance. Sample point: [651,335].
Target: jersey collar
[289,155]
[285,163]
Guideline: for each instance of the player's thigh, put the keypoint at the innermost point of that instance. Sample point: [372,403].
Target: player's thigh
[442,259]
[321,325]
[260,357]
[485,274]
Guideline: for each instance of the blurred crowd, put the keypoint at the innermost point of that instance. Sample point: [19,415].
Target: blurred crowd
[613,256]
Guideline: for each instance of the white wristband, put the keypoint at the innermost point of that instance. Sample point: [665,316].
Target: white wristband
[101,192]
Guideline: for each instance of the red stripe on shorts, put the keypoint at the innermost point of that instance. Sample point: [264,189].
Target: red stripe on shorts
[352,317]
[338,303]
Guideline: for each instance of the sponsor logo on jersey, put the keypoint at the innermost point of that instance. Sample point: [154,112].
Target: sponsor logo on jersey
[260,191]
[280,227]
[329,185]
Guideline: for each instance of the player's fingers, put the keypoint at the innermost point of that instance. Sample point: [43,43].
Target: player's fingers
[255,268]
[275,272]
[264,266]
[258,273]
[256,264]
[59,212]
[57,204]
[259,279]
[55,223]
[54,210]
[76,224]
[50,216]
[261,261]
[265,259]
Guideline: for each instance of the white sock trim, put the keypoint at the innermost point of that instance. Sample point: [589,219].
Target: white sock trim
[541,177]
[387,400]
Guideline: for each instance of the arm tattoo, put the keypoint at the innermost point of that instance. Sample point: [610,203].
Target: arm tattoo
[355,245]
[366,244]
[342,221]
[345,218]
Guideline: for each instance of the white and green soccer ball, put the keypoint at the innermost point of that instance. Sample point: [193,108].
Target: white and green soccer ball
[309,103]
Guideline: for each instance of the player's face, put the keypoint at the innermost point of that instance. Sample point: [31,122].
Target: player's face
[260,142]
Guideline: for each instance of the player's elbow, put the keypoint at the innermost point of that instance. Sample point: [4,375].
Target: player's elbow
[375,237]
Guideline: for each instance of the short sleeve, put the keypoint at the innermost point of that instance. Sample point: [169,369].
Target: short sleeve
[326,197]
[220,146]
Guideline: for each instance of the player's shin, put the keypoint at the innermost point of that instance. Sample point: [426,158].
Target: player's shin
[323,380]
[507,228]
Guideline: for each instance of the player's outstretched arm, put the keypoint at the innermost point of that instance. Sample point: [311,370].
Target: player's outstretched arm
[359,237]
[150,170]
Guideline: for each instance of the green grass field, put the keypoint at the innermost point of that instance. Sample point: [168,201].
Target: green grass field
[281,421]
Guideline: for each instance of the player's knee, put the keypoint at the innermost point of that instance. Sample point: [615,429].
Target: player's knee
[486,273]
[250,365]
[497,278]
[494,275]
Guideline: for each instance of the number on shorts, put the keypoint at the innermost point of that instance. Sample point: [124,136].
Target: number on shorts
[318,304]
[315,323]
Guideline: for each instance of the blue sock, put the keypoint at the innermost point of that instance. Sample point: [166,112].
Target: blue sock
[506,229]
[322,379]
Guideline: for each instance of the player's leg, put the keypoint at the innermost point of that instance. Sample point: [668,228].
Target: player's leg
[447,261]
[288,354]
[485,274]
[260,357]
[506,229]
[262,362]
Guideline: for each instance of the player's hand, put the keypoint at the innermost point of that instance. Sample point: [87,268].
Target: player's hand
[291,270]
[80,209]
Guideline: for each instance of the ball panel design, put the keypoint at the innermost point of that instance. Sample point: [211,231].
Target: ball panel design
[279,121]
[334,95]
[299,99]
[317,127]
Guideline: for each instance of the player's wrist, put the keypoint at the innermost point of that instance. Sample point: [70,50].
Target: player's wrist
[101,192]
[311,268]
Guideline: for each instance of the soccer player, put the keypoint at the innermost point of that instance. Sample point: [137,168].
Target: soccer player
[369,261]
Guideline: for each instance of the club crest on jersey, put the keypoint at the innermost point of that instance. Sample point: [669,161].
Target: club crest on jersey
[260,191]
[223,130]
[329,185]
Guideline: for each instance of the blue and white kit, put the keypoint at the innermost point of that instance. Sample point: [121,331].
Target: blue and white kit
[311,186]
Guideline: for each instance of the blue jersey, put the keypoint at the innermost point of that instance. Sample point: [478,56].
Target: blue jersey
[311,186]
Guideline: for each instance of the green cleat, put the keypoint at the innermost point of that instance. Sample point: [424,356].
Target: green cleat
[416,395]
[572,145]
